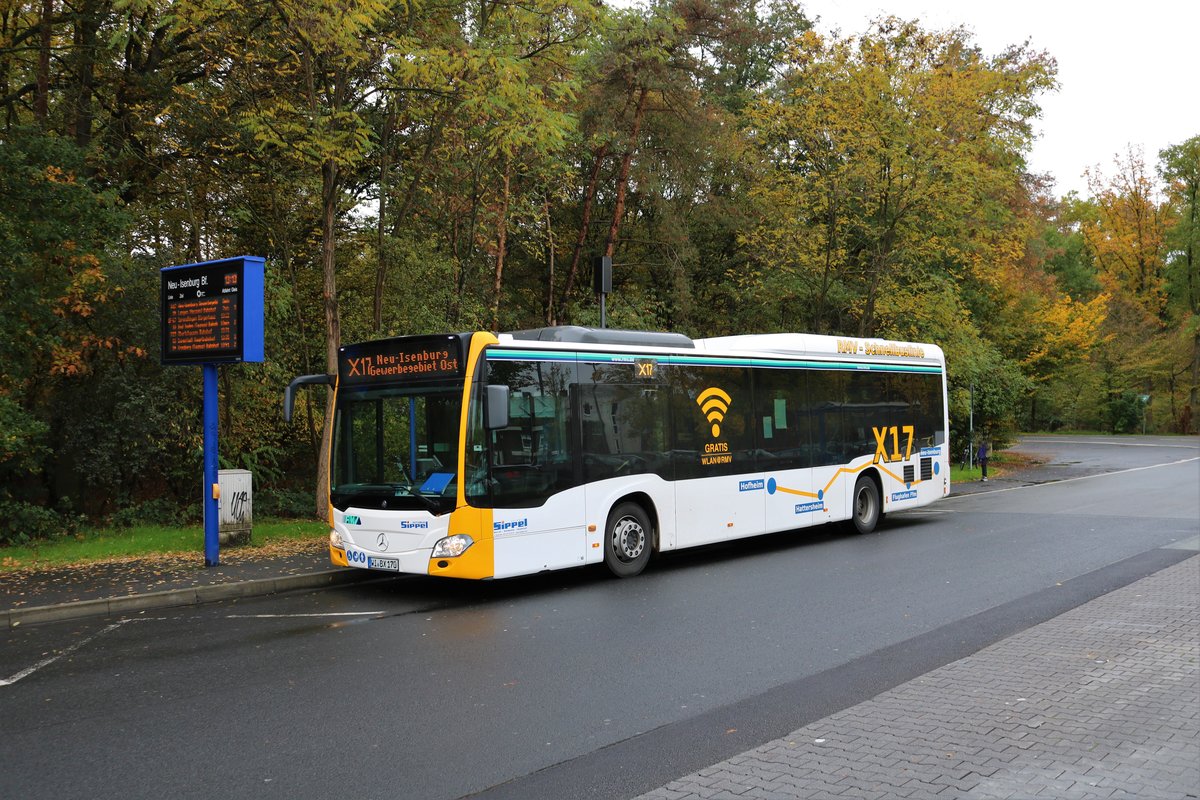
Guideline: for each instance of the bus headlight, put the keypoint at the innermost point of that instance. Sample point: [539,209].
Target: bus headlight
[452,546]
[335,540]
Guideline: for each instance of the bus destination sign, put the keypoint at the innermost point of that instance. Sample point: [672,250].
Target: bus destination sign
[213,312]
[402,358]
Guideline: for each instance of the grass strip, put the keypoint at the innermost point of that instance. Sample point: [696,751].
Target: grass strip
[107,544]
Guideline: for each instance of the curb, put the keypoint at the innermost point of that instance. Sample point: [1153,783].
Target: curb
[193,595]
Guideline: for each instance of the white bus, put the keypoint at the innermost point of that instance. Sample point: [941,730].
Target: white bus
[479,455]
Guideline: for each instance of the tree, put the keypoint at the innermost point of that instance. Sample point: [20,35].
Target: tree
[1140,242]
[893,156]
[1061,247]
[297,75]
[421,167]
[896,202]
[660,157]
[1127,240]
[1180,169]
[483,99]
[59,248]
[633,63]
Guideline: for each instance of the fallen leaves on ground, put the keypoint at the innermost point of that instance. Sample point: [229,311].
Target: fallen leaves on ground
[145,572]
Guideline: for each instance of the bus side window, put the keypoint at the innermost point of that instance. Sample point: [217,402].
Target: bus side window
[624,431]
[783,427]
[710,437]
[532,458]
[826,400]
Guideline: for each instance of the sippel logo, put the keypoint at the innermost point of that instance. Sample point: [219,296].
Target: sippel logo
[510,525]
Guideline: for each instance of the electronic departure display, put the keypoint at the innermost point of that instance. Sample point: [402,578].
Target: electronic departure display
[213,312]
[403,358]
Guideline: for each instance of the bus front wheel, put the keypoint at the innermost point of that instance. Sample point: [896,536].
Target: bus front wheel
[627,540]
[865,506]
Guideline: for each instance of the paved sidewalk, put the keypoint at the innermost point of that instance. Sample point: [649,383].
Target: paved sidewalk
[117,587]
[1100,702]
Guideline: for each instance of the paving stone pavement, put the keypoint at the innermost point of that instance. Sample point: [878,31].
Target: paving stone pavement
[1100,702]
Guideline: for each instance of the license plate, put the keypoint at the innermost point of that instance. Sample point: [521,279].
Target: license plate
[392,564]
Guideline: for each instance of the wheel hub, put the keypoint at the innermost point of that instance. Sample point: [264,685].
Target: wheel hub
[628,539]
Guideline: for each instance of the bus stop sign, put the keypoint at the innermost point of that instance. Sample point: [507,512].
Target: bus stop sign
[212,312]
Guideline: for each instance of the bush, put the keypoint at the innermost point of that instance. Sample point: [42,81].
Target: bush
[21,523]
[158,511]
[283,504]
[1126,413]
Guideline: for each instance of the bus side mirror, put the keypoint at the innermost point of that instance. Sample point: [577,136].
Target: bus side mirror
[289,394]
[497,407]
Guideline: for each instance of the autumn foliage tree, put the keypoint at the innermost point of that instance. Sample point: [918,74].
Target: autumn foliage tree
[895,178]
[1181,171]
[1128,238]
[57,277]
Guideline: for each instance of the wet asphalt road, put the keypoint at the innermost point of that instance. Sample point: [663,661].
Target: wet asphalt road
[574,684]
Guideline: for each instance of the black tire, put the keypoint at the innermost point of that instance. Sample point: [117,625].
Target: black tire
[865,507]
[628,540]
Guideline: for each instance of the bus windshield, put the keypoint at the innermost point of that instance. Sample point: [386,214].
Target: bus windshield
[396,447]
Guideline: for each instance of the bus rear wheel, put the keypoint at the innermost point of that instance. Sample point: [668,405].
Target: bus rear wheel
[865,505]
[627,540]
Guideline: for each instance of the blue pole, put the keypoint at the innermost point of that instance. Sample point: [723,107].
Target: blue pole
[412,438]
[211,508]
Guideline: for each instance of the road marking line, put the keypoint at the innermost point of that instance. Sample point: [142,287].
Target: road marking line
[45,662]
[303,615]
[1109,444]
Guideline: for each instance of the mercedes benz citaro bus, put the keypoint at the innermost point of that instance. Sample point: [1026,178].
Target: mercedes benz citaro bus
[481,455]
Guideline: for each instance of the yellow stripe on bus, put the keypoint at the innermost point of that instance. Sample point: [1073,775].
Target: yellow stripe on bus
[838,474]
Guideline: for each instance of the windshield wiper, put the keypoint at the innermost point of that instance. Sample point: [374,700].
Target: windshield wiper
[414,492]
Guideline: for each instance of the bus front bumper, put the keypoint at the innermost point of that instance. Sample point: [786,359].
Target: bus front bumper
[473,563]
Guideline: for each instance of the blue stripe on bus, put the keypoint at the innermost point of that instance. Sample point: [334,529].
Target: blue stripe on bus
[700,361]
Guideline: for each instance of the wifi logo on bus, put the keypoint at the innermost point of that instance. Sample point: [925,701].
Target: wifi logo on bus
[714,403]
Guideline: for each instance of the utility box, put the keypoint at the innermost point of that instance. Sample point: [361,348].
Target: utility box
[237,506]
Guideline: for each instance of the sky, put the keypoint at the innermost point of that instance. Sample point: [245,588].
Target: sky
[1128,73]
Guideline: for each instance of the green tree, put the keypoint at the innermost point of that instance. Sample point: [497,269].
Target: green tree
[1180,169]
[893,156]
[896,202]
[59,249]
[1063,249]
[661,155]
[1149,347]
[296,78]
[481,99]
